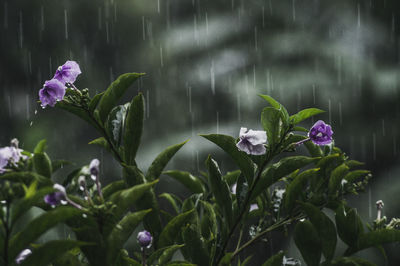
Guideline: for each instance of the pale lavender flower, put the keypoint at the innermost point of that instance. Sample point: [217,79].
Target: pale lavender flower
[68,72]
[54,198]
[144,238]
[10,155]
[253,207]
[23,255]
[321,133]
[252,141]
[53,91]
[94,168]
[5,155]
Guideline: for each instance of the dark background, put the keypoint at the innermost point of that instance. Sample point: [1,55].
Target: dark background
[206,61]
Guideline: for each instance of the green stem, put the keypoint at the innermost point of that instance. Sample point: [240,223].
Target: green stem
[261,234]
[7,236]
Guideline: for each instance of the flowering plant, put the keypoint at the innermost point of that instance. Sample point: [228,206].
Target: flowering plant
[273,190]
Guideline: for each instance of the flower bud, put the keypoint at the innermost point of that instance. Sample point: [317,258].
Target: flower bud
[144,238]
[94,168]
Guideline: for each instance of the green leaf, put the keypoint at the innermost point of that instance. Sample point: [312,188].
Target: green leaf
[23,205]
[349,225]
[127,197]
[42,164]
[134,128]
[374,239]
[114,92]
[242,189]
[228,144]
[209,227]
[220,189]
[113,187]
[38,226]
[26,177]
[308,242]
[348,261]
[41,146]
[58,164]
[273,123]
[121,233]
[159,163]
[51,251]
[275,260]
[276,105]
[102,142]
[95,100]
[196,248]
[166,252]
[280,169]
[172,199]
[115,123]
[325,229]
[80,112]
[313,149]
[232,177]
[336,177]
[180,263]
[226,259]
[304,114]
[173,228]
[295,188]
[191,182]
[352,176]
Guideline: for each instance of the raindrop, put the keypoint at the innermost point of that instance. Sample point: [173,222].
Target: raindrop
[340,113]
[27,101]
[369,203]
[190,98]
[107,33]
[358,16]
[36,112]
[313,93]
[167,15]
[161,57]
[20,35]
[217,122]
[42,18]
[383,127]
[5,15]
[294,10]
[339,69]
[99,17]
[143,29]
[158,6]
[115,11]
[374,146]
[50,66]
[147,104]
[255,38]
[270,7]
[238,106]
[212,75]
[206,24]
[329,111]
[9,105]
[84,215]
[111,75]
[394,145]
[233,4]
[254,76]
[197,161]
[263,16]
[66,23]
[64,202]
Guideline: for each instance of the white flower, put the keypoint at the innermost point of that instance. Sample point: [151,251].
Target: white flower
[252,141]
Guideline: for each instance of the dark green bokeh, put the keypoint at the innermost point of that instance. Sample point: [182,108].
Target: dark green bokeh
[206,61]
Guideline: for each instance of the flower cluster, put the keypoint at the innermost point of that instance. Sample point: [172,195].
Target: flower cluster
[54,90]
[252,141]
[10,155]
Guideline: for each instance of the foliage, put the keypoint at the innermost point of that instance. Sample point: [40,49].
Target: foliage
[278,191]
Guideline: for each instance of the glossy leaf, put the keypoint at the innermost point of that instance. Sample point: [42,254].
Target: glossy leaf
[80,112]
[209,227]
[127,197]
[308,242]
[273,123]
[115,123]
[194,184]
[304,114]
[242,189]
[219,189]
[51,251]
[228,144]
[274,103]
[134,128]
[38,226]
[232,177]
[59,164]
[275,260]
[349,225]
[336,177]
[42,164]
[40,147]
[114,93]
[113,187]
[295,188]
[172,199]
[348,261]
[168,251]
[354,175]
[173,228]
[325,229]
[195,248]
[26,177]
[95,101]
[121,233]
[159,163]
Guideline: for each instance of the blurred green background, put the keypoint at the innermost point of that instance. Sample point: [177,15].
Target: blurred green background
[206,61]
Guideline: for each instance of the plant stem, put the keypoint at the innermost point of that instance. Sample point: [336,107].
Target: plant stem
[143,257]
[269,229]
[7,236]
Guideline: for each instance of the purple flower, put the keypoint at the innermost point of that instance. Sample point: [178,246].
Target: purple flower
[68,72]
[253,207]
[320,133]
[252,141]
[5,155]
[94,168]
[10,155]
[23,255]
[54,198]
[53,91]
[144,238]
